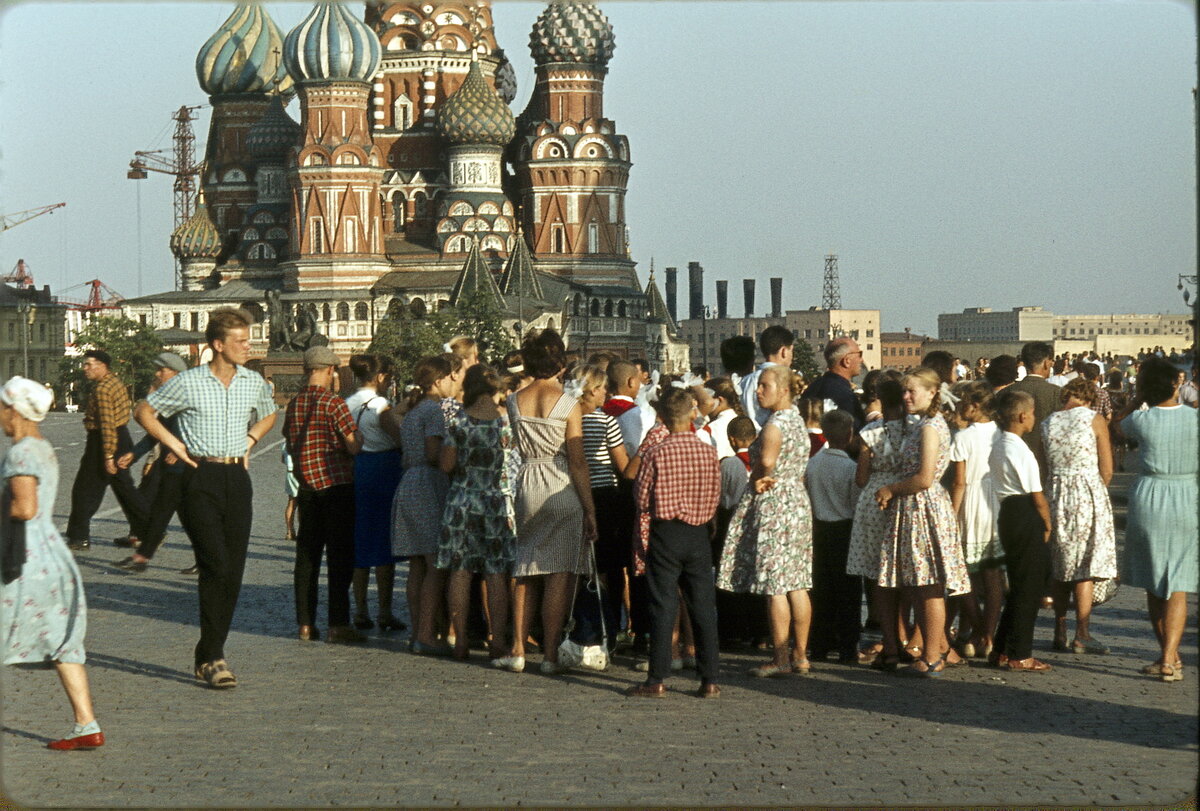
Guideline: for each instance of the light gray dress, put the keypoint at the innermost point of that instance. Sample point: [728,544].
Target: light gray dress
[420,497]
[43,614]
[549,513]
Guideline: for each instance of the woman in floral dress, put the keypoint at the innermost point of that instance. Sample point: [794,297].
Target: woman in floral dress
[769,546]
[478,534]
[1083,548]
[921,550]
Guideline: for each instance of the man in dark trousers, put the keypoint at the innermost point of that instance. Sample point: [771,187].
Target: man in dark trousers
[215,402]
[321,438]
[843,360]
[106,419]
[1038,357]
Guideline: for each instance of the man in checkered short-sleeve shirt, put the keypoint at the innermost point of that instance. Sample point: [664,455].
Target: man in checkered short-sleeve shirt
[679,484]
[321,438]
[215,403]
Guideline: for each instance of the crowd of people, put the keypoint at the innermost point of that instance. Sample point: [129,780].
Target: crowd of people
[751,509]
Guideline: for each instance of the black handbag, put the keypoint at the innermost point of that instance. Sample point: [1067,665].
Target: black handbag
[12,539]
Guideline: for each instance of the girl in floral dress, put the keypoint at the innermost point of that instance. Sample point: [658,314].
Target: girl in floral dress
[921,550]
[478,533]
[769,547]
[1083,548]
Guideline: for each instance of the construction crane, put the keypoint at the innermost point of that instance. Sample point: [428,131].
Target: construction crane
[21,276]
[13,220]
[181,165]
[99,296]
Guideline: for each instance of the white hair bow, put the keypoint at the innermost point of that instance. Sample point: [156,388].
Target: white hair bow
[688,380]
[447,348]
[573,388]
[649,392]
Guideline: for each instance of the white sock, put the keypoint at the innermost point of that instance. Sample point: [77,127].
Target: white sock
[90,728]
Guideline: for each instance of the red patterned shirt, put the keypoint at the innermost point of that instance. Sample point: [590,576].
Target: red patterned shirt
[679,480]
[315,422]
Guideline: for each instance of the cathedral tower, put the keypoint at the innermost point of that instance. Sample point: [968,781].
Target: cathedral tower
[572,167]
[333,57]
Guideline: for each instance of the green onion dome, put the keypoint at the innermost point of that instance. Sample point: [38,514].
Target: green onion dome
[476,114]
[243,56]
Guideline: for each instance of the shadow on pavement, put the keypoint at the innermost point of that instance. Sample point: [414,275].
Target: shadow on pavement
[136,668]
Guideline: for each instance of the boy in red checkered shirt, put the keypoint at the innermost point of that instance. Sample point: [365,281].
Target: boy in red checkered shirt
[679,485]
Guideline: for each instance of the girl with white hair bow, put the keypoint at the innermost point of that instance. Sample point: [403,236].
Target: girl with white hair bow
[43,615]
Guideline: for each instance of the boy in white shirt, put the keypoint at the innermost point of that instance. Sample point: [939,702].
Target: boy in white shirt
[1024,526]
[836,596]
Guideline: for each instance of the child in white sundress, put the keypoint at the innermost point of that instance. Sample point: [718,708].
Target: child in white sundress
[973,497]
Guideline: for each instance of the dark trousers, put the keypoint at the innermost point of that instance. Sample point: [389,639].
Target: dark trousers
[680,556]
[326,523]
[91,481]
[1027,558]
[612,556]
[836,596]
[625,514]
[217,512]
[168,495]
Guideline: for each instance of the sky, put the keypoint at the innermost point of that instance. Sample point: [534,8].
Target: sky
[952,154]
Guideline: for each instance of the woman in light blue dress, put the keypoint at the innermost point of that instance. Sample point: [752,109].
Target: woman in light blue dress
[43,615]
[1161,532]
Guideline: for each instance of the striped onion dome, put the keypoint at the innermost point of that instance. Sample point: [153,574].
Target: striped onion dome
[198,238]
[573,31]
[331,44]
[272,135]
[476,114]
[243,56]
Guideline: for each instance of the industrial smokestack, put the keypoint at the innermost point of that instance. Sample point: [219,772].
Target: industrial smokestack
[722,298]
[695,290]
[672,292]
[776,297]
[748,295]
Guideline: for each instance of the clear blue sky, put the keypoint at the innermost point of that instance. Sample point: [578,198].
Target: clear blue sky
[952,154]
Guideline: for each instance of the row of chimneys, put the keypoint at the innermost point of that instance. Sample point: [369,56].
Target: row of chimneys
[696,294]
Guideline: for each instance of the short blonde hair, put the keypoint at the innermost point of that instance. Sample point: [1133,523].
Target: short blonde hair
[929,379]
[590,376]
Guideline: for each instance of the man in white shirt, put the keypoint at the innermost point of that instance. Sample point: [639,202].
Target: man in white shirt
[776,344]
[624,383]
[1188,394]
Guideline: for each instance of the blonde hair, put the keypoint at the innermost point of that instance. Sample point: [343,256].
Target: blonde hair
[590,376]
[787,378]
[929,379]
[463,347]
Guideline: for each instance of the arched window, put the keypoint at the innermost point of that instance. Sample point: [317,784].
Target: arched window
[417,307]
[420,205]
[558,239]
[593,238]
[577,304]
[326,313]
[596,306]
[608,308]
[398,213]
[343,311]
[360,311]
[621,309]
[402,112]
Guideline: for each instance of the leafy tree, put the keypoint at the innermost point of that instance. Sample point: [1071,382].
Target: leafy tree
[804,361]
[131,344]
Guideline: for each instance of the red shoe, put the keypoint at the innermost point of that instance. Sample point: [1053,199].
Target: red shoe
[93,741]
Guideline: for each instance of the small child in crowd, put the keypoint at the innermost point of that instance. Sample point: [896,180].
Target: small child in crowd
[1024,526]
[812,410]
[679,484]
[740,617]
[836,596]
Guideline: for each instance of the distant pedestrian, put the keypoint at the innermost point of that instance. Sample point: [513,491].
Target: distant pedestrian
[843,361]
[215,401]
[43,612]
[106,419]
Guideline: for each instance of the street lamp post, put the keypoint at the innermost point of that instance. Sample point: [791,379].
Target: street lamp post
[28,312]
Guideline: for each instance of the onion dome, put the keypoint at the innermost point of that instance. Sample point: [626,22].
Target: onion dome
[506,77]
[243,55]
[475,114]
[198,238]
[573,31]
[272,135]
[331,44]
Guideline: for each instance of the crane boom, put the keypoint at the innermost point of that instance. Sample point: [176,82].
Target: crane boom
[13,220]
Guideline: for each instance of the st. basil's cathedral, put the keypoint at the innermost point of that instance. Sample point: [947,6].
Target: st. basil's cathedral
[409,183]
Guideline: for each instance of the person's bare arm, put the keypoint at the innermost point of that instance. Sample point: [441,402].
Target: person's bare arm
[921,480]
[959,487]
[863,474]
[353,442]
[772,441]
[147,417]
[257,431]
[389,421]
[578,470]
[24,498]
[620,457]
[448,460]
[1103,448]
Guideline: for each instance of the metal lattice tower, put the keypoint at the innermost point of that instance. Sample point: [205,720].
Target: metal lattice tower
[831,296]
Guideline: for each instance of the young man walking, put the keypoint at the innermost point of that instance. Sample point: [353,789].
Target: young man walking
[215,402]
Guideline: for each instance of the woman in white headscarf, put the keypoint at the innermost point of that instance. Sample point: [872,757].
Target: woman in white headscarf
[43,615]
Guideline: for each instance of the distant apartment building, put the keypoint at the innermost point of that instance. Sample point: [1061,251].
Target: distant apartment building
[899,350]
[816,326]
[1084,327]
[31,333]
[986,324]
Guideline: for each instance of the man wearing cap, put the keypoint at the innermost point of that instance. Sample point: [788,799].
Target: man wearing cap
[215,402]
[106,419]
[322,438]
[166,489]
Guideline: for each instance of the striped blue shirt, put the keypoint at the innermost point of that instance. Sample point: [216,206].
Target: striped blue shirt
[213,418]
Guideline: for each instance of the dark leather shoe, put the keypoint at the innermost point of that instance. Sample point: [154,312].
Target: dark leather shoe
[190,570]
[93,741]
[997,659]
[128,542]
[84,544]
[132,565]
[708,691]
[309,633]
[344,635]
[647,690]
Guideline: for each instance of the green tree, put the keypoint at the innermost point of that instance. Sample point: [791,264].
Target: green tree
[132,346]
[803,360]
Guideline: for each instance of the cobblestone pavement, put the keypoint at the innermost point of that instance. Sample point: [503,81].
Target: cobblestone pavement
[317,724]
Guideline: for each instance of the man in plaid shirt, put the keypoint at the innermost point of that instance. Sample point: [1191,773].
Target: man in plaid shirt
[321,438]
[106,419]
[679,485]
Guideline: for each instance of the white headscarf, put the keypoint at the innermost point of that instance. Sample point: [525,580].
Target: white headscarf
[30,398]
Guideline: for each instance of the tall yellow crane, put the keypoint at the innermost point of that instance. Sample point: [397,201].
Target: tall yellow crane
[13,220]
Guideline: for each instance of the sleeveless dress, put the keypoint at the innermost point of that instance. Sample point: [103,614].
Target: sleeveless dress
[920,544]
[421,496]
[548,511]
[1161,532]
[768,548]
[980,508]
[870,522]
[43,613]
[1084,544]
[477,529]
